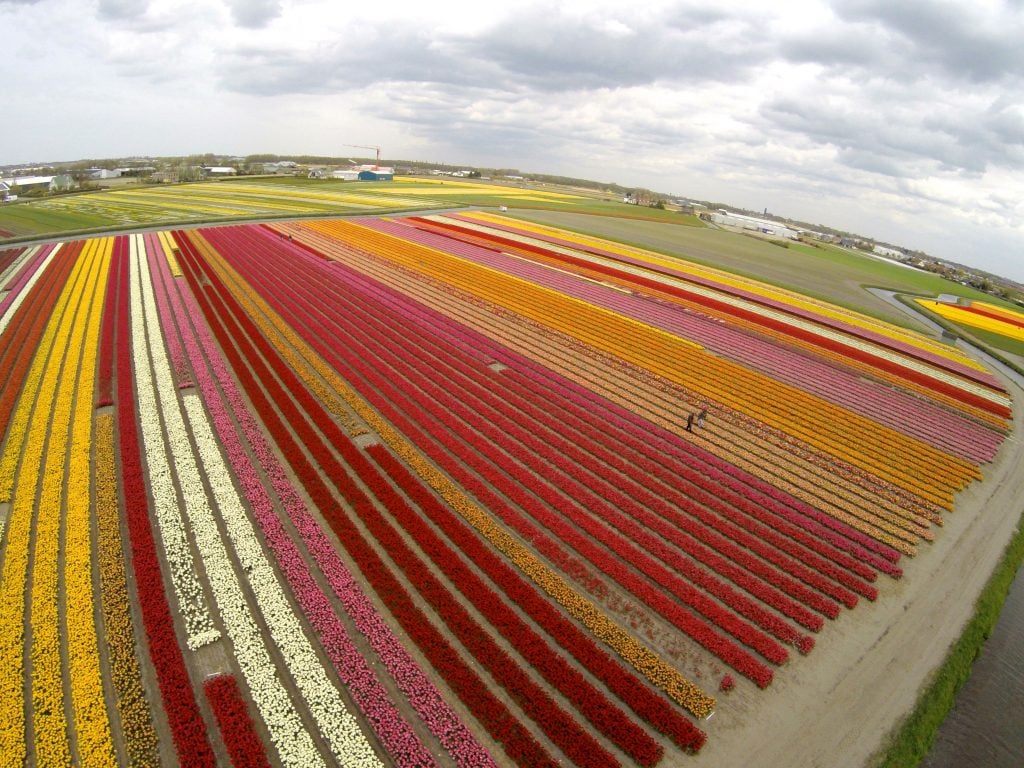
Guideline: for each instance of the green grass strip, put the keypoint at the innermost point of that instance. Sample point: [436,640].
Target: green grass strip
[912,742]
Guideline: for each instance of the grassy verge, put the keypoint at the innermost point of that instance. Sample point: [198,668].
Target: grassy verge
[912,742]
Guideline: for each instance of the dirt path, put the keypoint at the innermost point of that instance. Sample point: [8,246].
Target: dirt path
[837,706]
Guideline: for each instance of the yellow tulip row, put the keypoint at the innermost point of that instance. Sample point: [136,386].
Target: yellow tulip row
[27,440]
[973,319]
[169,249]
[796,472]
[136,721]
[847,436]
[732,281]
[52,401]
[91,721]
[311,367]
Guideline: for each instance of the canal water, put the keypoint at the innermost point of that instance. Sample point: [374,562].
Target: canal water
[985,728]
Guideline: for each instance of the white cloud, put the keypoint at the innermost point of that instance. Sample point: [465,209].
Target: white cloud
[903,121]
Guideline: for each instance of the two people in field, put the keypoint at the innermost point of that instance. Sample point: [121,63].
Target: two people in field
[700,419]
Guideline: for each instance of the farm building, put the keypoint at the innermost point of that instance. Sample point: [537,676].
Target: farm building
[765,226]
[377,174]
[219,170]
[345,174]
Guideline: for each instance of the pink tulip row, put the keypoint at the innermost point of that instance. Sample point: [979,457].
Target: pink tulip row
[555,722]
[353,329]
[352,668]
[801,312]
[446,520]
[237,335]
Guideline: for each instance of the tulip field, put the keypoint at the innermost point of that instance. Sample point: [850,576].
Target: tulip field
[982,315]
[433,490]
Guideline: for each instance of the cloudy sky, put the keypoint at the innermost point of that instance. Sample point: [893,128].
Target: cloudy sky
[901,120]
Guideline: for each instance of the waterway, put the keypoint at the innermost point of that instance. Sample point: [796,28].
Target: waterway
[985,728]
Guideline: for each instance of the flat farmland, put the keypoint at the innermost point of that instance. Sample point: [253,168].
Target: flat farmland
[461,489]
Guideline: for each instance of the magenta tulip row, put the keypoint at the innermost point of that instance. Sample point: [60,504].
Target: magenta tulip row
[911,415]
[188,728]
[353,329]
[828,322]
[233,327]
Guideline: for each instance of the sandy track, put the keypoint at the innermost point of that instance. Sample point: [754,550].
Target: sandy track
[837,706]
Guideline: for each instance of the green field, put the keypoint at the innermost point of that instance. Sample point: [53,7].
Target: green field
[826,272]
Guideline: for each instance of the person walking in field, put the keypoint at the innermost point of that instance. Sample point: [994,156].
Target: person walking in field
[689,422]
[701,416]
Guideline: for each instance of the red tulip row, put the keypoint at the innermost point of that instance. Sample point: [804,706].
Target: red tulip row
[482,556]
[232,327]
[559,482]
[179,702]
[574,447]
[562,729]
[591,702]
[26,329]
[654,709]
[752,315]
[244,745]
[8,255]
[105,375]
[470,452]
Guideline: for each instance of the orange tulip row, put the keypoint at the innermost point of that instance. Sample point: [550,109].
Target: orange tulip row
[341,399]
[844,435]
[136,720]
[641,394]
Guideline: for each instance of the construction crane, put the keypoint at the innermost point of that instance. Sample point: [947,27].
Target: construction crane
[364,146]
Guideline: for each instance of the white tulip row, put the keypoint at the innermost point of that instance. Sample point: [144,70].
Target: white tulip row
[12,269]
[324,700]
[796,322]
[25,289]
[199,627]
[293,742]
[336,723]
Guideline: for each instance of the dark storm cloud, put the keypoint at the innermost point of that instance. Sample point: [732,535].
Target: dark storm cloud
[965,42]
[535,49]
[121,10]
[550,51]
